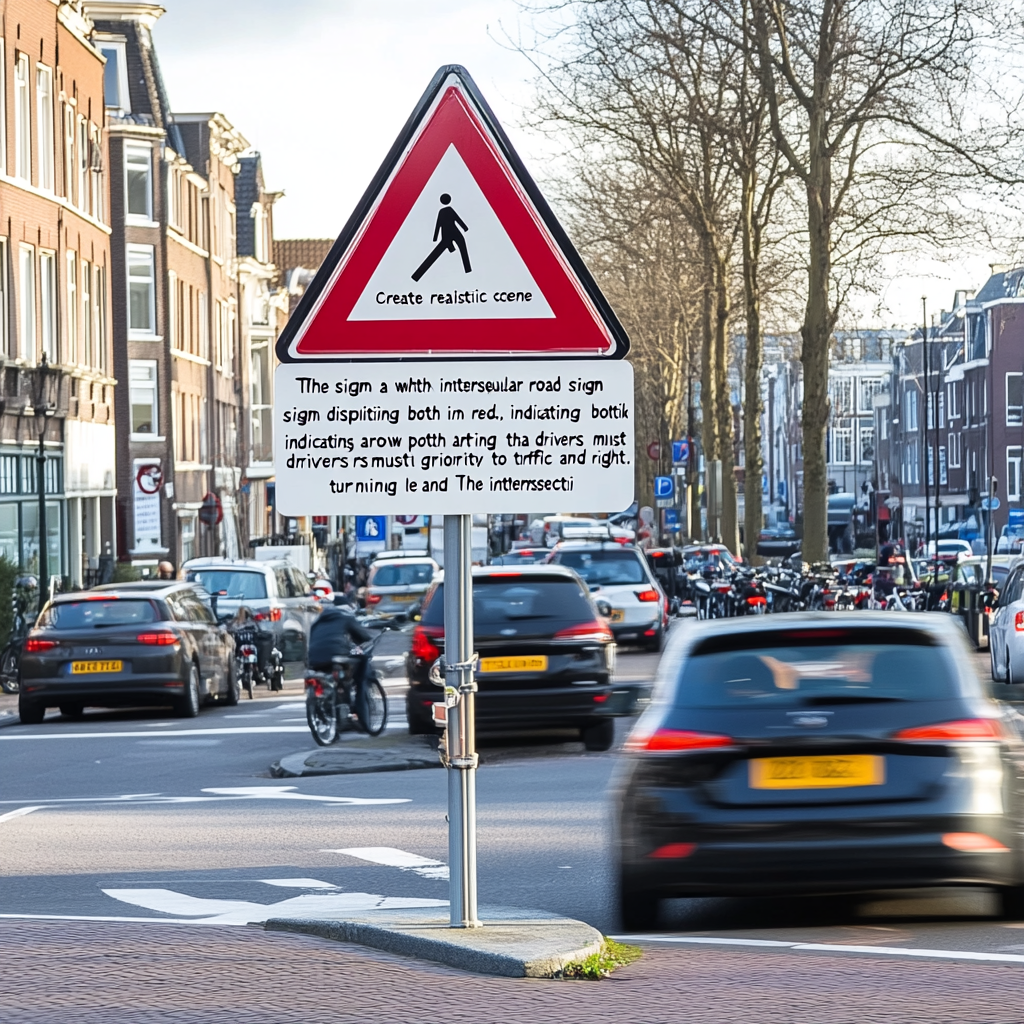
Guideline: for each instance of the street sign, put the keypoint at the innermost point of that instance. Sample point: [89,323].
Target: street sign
[452,252]
[990,504]
[671,519]
[664,487]
[149,478]
[211,512]
[1015,520]
[371,528]
[654,451]
[680,451]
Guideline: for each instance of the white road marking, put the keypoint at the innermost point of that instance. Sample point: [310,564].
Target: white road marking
[829,947]
[240,912]
[231,731]
[19,813]
[392,858]
[298,883]
[219,795]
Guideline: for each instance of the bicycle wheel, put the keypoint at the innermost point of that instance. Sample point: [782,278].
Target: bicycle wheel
[322,716]
[10,660]
[373,708]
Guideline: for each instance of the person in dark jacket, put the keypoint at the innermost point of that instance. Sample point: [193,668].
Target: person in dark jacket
[334,633]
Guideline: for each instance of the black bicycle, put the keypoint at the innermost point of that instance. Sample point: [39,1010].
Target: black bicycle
[24,597]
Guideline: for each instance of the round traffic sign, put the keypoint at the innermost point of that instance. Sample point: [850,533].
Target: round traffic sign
[211,512]
[654,450]
[149,478]
[406,520]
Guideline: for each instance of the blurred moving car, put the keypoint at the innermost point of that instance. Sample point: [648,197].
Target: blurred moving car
[546,656]
[777,542]
[276,592]
[124,645]
[621,576]
[838,752]
[396,585]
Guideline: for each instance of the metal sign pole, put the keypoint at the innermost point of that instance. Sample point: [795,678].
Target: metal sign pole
[460,741]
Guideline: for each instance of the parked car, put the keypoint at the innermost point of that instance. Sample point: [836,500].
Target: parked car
[276,592]
[1006,620]
[951,551]
[125,645]
[521,556]
[546,656]
[777,542]
[395,585]
[552,529]
[620,575]
[819,753]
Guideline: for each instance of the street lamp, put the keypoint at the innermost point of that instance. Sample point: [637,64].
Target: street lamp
[42,410]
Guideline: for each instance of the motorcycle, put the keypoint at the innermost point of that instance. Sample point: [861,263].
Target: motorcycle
[252,669]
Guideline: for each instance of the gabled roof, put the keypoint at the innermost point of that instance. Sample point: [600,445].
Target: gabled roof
[1003,284]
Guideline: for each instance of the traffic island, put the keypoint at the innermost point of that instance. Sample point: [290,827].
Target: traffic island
[396,753]
[512,943]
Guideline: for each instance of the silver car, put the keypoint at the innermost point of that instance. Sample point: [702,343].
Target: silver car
[396,585]
[276,592]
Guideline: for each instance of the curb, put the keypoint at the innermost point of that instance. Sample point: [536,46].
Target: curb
[488,950]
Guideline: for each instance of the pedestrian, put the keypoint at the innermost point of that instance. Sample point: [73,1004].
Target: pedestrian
[165,571]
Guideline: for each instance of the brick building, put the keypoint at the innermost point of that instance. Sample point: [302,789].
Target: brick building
[56,269]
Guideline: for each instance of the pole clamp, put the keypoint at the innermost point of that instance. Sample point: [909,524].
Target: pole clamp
[465,761]
[460,675]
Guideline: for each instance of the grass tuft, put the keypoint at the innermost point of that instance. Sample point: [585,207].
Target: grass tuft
[612,956]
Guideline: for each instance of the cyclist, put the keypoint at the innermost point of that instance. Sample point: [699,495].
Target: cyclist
[334,633]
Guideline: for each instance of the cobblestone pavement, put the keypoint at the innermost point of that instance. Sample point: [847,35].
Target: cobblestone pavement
[91,973]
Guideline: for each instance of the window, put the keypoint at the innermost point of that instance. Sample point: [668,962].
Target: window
[71,354]
[942,465]
[138,181]
[96,171]
[99,308]
[22,120]
[27,305]
[143,377]
[930,409]
[1014,399]
[48,304]
[259,402]
[173,196]
[910,409]
[1013,455]
[188,537]
[141,291]
[44,126]
[842,442]
[942,408]
[869,387]
[842,396]
[866,452]
[115,76]
[931,466]
[83,164]
[954,400]
[4,312]
[69,152]
[172,308]
[204,327]
[3,110]
[86,279]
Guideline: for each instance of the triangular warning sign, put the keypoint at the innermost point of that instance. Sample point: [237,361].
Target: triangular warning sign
[452,253]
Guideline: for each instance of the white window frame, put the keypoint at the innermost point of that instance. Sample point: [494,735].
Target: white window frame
[910,409]
[71,264]
[99,299]
[22,119]
[48,303]
[124,99]
[69,150]
[138,256]
[954,406]
[172,309]
[261,405]
[85,287]
[842,442]
[1014,413]
[3,107]
[135,154]
[82,163]
[44,127]
[943,473]
[865,431]
[4,289]
[27,325]
[96,171]
[1013,461]
[955,450]
[867,388]
[150,384]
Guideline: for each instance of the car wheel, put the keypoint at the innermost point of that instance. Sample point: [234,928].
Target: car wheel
[31,712]
[187,706]
[600,735]
[1009,669]
[993,669]
[1012,900]
[638,908]
[234,689]
[72,710]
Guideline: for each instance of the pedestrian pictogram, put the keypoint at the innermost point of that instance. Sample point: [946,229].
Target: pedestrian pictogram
[453,252]
[447,226]
[149,478]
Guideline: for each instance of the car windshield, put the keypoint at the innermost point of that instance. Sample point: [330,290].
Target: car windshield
[233,584]
[519,558]
[99,613]
[605,568]
[976,574]
[520,604]
[404,575]
[815,669]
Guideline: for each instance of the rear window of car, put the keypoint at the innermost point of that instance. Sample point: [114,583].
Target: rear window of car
[604,568]
[234,584]
[404,575]
[98,614]
[527,605]
[816,668]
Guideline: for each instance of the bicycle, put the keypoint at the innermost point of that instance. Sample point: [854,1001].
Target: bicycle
[10,657]
[333,703]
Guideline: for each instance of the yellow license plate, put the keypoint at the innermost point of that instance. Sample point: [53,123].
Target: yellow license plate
[819,772]
[79,668]
[617,615]
[401,597]
[532,663]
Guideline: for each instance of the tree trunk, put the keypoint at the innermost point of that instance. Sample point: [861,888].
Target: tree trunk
[708,373]
[730,526]
[816,333]
[753,514]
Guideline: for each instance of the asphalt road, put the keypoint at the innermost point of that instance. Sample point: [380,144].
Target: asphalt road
[135,819]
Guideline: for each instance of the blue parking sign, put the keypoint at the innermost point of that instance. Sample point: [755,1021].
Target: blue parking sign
[664,487]
[680,451]
[671,519]
[371,528]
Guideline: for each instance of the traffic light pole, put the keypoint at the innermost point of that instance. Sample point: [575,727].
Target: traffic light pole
[460,735]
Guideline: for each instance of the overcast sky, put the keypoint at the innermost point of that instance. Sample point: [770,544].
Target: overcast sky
[322,87]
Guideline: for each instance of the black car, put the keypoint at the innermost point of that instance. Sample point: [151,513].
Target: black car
[126,645]
[546,656]
[777,542]
[826,753]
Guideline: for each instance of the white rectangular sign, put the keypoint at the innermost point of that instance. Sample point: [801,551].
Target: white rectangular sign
[451,438]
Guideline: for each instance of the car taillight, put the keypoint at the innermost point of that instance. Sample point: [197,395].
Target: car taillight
[1018,622]
[756,600]
[34,645]
[973,842]
[248,651]
[373,598]
[316,686]
[646,595]
[964,730]
[678,739]
[585,630]
[271,615]
[423,646]
[164,638]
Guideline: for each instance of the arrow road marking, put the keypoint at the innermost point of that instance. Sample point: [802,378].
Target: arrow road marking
[20,812]
[392,858]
